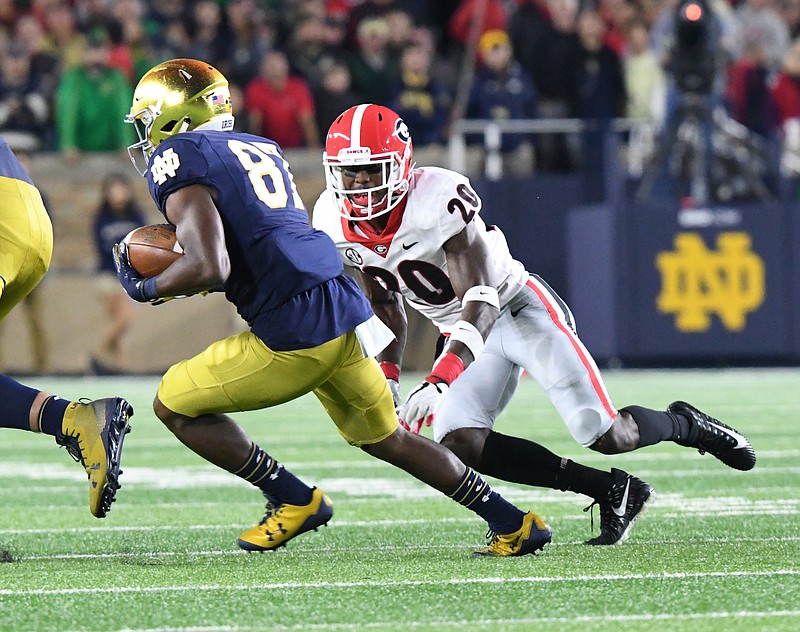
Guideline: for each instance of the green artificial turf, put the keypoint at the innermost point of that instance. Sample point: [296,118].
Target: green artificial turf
[717,550]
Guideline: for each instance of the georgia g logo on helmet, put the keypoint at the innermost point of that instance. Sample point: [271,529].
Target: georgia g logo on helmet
[401,131]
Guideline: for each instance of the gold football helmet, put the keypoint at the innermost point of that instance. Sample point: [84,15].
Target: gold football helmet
[177,96]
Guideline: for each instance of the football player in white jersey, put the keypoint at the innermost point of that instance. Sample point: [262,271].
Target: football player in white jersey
[416,232]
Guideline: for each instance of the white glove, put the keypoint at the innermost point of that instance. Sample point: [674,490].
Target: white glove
[421,405]
[394,386]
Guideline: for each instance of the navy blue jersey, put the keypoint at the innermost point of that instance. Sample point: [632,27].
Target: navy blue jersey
[286,278]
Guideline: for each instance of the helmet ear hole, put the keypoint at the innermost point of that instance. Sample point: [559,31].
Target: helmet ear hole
[169,126]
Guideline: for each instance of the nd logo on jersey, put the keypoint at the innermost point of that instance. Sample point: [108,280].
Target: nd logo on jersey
[697,282]
[165,166]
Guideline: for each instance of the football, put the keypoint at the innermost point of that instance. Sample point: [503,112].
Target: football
[152,249]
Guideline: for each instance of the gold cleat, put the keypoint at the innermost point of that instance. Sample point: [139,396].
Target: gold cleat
[93,434]
[532,536]
[285,522]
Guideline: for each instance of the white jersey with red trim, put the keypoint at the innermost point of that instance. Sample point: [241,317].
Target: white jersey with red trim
[535,330]
[408,257]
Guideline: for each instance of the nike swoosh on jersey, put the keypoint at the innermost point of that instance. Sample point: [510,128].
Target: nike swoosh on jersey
[620,510]
[410,245]
[514,312]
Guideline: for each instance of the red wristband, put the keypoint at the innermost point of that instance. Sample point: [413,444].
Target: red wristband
[447,369]
[391,371]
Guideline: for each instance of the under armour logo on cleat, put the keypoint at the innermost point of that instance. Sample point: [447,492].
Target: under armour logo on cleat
[277,531]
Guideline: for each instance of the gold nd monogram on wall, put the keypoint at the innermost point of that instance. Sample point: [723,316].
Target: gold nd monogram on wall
[697,282]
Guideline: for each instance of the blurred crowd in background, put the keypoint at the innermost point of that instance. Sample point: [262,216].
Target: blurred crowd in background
[68,68]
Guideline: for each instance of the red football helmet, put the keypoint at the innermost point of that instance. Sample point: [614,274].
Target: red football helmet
[368,135]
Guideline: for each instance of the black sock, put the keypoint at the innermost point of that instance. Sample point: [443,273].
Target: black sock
[474,493]
[277,483]
[522,461]
[51,415]
[656,425]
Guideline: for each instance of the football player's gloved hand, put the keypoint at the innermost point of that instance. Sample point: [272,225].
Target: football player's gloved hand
[421,404]
[138,288]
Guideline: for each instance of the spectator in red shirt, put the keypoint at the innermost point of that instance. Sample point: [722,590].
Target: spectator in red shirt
[281,106]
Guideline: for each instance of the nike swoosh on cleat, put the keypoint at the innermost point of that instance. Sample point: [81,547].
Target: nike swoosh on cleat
[620,510]
[741,442]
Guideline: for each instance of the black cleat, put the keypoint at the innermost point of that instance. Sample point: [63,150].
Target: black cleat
[625,502]
[711,435]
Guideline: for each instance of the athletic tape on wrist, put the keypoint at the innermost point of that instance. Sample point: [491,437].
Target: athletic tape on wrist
[467,334]
[483,294]
[391,371]
[448,368]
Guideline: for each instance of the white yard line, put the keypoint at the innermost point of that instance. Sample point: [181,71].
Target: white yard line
[384,585]
[363,549]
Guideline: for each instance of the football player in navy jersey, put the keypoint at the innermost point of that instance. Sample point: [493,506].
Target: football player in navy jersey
[91,431]
[245,230]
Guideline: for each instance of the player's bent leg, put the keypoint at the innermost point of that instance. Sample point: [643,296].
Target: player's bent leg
[93,435]
[284,522]
[221,441]
[625,502]
[215,437]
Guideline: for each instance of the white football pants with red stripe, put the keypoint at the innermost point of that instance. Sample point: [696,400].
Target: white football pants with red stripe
[535,332]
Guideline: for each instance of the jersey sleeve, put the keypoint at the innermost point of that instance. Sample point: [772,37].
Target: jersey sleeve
[177,163]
